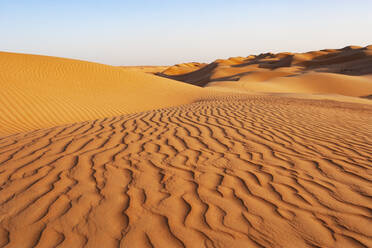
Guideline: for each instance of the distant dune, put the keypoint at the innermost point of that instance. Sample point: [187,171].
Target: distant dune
[183,68]
[313,82]
[332,71]
[147,68]
[41,91]
[168,70]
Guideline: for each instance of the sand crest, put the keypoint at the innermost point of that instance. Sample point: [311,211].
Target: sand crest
[40,91]
[343,71]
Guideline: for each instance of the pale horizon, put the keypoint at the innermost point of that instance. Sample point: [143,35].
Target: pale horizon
[166,33]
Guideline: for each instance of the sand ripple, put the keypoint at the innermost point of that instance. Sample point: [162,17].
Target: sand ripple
[240,171]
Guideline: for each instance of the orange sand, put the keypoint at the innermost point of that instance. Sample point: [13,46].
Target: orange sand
[242,171]
[41,91]
[344,71]
[188,167]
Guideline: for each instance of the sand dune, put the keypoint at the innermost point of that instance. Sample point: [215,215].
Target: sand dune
[183,68]
[335,71]
[40,91]
[101,156]
[167,70]
[147,69]
[239,171]
[313,83]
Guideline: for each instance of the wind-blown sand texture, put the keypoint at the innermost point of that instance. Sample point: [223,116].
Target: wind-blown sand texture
[40,91]
[336,71]
[239,171]
[102,156]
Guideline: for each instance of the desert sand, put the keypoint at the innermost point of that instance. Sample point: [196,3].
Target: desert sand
[40,91]
[101,156]
[333,71]
[147,68]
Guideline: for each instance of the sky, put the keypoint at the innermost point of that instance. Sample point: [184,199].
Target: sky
[166,32]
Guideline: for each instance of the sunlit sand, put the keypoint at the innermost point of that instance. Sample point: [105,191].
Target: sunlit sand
[274,151]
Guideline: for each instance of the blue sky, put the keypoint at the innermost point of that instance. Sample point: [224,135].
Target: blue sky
[162,32]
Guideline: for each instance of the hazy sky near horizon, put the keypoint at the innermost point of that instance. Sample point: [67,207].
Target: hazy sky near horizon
[162,32]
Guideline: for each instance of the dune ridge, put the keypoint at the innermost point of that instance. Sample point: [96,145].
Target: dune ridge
[343,71]
[147,68]
[183,68]
[237,171]
[41,91]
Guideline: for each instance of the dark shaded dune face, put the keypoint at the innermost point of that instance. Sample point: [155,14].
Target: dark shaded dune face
[184,68]
[348,61]
[199,77]
[351,60]
[239,171]
[367,97]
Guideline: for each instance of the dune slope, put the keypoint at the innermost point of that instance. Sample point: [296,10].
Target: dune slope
[182,68]
[40,91]
[311,83]
[240,171]
[332,71]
